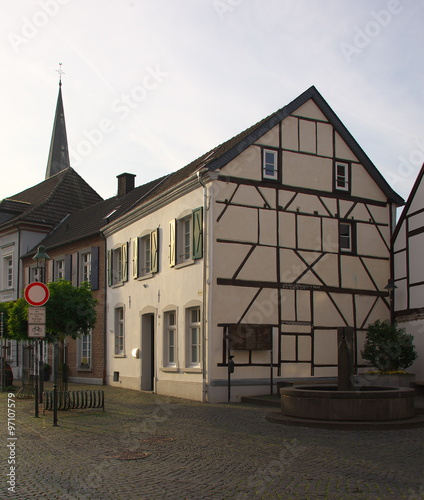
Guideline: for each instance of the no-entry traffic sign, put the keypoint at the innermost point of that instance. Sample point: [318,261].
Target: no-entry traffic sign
[36,294]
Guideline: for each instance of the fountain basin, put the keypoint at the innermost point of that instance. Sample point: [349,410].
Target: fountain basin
[365,403]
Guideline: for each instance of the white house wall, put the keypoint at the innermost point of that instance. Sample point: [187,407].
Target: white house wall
[171,288]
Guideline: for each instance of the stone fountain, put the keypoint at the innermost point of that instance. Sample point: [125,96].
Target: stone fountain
[346,405]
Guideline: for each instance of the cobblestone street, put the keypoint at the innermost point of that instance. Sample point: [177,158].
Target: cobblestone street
[146,446]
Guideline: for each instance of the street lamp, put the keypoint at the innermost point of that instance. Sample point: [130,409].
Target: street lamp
[391,287]
[41,257]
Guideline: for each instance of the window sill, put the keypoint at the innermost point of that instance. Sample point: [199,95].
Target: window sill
[185,264]
[170,369]
[119,356]
[117,285]
[194,369]
[145,277]
[81,369]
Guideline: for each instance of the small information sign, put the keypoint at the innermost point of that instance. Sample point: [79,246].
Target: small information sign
[36,331]
[36,315]
[36,322]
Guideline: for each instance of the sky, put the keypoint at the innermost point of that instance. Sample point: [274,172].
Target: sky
[150,85]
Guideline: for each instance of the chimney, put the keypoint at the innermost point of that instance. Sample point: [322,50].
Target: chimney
[125,184]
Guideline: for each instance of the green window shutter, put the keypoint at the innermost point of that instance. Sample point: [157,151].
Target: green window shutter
[109,267]
[125,262]
[198,233]
[135,258]
[154,251]
[172,243]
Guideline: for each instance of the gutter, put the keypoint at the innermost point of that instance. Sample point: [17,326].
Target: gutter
[204,305]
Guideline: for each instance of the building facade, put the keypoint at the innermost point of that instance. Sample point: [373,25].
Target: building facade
[408,242]
[258,250]
[27,217]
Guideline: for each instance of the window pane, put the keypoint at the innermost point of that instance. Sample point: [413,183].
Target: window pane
[171,338]
[195,315]
[119,330]
[171,318]
[270,163]
[187,239]
[345,236]
[342,181]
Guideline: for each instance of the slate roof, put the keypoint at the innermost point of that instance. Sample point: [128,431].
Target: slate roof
[48,202]
[88,222]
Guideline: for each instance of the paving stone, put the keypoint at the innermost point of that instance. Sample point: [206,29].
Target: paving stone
[202,451]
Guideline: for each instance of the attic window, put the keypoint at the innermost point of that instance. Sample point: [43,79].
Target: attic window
[269,164]
[341,175]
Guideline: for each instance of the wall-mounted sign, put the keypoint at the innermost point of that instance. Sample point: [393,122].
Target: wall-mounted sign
[250,337]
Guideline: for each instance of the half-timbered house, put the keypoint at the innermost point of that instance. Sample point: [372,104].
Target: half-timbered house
[255,253]
[408,244]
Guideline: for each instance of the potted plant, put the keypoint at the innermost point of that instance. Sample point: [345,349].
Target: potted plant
[390,350]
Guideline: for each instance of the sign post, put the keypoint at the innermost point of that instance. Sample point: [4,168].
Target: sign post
[37,294]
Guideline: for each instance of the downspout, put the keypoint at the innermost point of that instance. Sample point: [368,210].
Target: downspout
[204,285]
[104,309]
[19,353]
[19,263]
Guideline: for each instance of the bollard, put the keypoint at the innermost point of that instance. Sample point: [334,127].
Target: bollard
[36,397]
[54,405]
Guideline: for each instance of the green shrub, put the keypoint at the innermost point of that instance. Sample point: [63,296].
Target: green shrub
[388,348]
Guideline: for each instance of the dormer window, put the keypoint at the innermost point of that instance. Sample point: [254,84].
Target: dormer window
[269,164]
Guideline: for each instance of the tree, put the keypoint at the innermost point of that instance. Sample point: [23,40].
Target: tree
[388,348]
[4,308]
[70,312]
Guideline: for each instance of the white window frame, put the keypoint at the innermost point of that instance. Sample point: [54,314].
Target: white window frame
[85,266]
[85,343]
[117,265]
[341,180]
[170,338]
[59,269]
[8,271]
[119,320]
[194,337]
[145,255]
[184,239]
[267,164]
[346,239]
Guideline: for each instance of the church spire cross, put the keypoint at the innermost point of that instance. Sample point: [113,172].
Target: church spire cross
[60,73]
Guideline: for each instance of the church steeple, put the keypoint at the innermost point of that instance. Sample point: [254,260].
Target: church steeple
[59,154]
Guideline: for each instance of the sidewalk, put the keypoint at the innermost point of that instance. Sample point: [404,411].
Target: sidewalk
[145,446]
